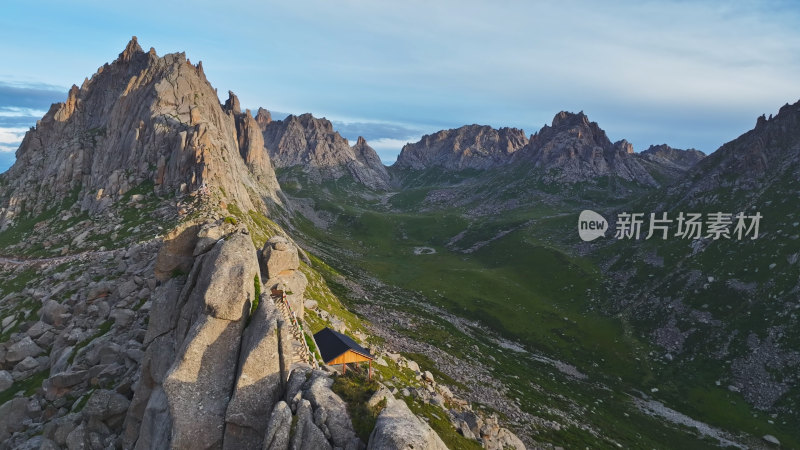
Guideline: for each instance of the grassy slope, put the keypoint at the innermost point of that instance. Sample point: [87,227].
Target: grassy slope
[522,285]
[690,385]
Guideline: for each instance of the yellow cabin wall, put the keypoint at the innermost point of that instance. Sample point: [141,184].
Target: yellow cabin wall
[347,358]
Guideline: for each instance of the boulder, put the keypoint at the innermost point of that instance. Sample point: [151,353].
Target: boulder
[51,313]
[156,426]
[464,429]
[278,429]
[47,444]
[165,307]
[321,396]
[27,364]
[295,384]
[211,233]
[38,443]
[6,380]
[279,255]
[398,428]
[445,391]
[412,365]
[380,395]
[78,439]
[122,317]
[504,440]
[307,435]
[177,252]
[13,413]
[259,384]
[127,288]
[63,427]
[225,282]
[106,406]
[38,329]
[472,420]
[200,382]
[293,283]
[68,379]
[99,290]
[338,324]
[23,349]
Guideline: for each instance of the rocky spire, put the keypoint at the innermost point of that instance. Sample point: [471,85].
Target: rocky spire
[131,50]
[263,118]
[232,104]
[624,146]
[251,145]
[69,107]
[568,118]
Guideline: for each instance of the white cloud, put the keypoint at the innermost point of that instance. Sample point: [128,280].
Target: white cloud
[634,65]
[10,138]
[517,63]
[389,148]
[14,111]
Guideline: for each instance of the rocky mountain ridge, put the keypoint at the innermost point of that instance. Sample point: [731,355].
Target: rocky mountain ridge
[572,149]
[684,159]
[755,160]
[575,149]
[468,147]
[312,144]
[730,301]
[142,119]
[667,163]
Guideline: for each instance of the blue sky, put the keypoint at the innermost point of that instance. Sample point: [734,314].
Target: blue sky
[686,73]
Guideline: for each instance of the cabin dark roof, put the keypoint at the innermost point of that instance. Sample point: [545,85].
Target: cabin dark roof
[333,344]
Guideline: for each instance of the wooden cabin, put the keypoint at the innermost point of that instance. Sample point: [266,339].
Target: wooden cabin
[337,348]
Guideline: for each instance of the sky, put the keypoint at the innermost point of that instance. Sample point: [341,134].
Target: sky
[692,74]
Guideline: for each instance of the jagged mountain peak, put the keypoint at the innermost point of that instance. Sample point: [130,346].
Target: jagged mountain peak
[142,118]
[566,118]
[263,117]
[321,152]
[576,149]
[308,120]
[578,125]
[468,147]
[753,160]
[684,158]
[131,50]
[669,164]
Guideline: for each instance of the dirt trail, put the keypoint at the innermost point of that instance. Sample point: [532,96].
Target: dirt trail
[55,260]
